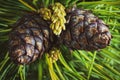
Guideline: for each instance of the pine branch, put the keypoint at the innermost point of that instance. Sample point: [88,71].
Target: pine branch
[105,64]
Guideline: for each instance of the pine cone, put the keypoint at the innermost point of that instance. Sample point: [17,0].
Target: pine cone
[29,39]
[85,31]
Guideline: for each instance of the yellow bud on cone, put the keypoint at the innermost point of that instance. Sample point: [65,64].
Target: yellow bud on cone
[56,14]
[54,54]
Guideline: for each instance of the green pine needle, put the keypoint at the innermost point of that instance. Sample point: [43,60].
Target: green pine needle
[27,5]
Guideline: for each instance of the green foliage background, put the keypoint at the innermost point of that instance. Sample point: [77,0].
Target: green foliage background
[80,65]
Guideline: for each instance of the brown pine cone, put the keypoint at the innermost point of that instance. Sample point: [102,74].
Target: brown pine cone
[29,39]
[85,31]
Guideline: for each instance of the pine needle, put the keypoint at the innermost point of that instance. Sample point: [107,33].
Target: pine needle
[27,5]
[91,66]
